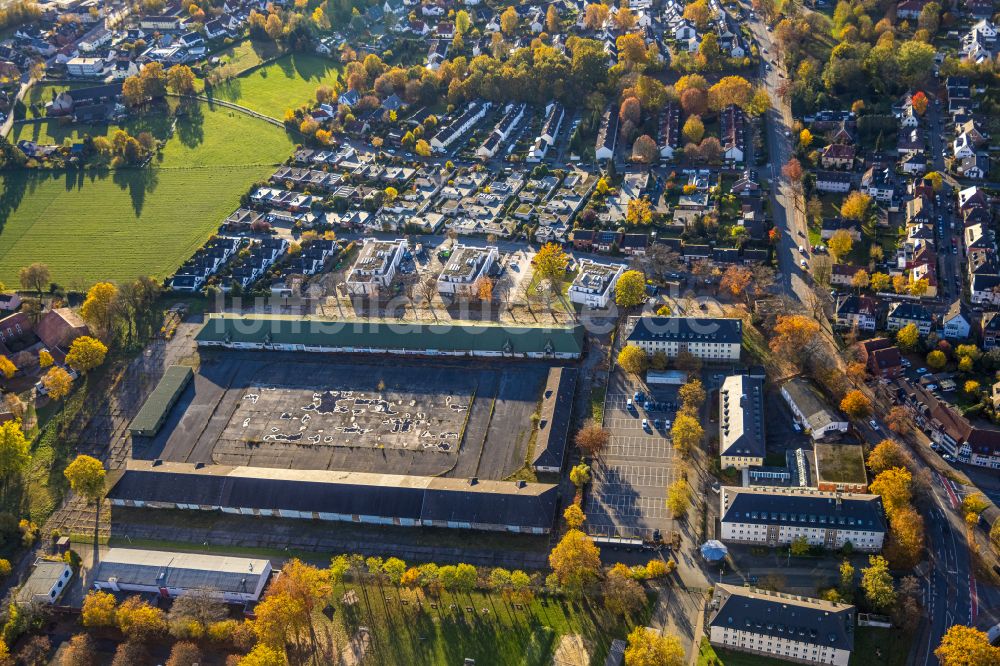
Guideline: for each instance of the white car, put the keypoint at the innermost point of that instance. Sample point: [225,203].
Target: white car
[802,249]
[874,425]
[921,371]
[802,263]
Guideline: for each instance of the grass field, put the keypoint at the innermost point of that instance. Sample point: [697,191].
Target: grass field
[285,83]
[709,655]
[116,225]
[247,54]
[503,635]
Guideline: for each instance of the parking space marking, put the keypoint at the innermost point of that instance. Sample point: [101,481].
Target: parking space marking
[629,506]
[633,475]
[638,447]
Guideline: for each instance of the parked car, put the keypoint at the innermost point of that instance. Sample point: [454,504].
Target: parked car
[921,371]
[948,457]
[874,425]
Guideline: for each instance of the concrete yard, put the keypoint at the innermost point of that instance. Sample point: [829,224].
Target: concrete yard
[381,415]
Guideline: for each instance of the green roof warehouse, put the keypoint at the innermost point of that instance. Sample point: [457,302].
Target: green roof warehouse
[312,334]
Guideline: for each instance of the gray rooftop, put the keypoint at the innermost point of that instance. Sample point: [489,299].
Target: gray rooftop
[390,496]
[784,616]
[688,329]
[741,418]
[808,401]
[189,571]
[802,507]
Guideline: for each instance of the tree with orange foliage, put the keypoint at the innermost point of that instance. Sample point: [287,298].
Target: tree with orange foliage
[919,102]
[794,336]
[856,404]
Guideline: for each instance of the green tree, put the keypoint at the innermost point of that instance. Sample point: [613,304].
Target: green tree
[799,546]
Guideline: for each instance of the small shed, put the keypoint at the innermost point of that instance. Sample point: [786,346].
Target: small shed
[154,411]
[46,584]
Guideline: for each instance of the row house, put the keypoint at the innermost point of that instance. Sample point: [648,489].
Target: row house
[307,179]
[502,131]
[546,138]
[449,134]
[833,181]
[668,136]
[284,199]
[733,132]
[206,262]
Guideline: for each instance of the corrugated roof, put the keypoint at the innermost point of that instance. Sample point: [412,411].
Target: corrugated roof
[159,401]
[388,335]
[354,493]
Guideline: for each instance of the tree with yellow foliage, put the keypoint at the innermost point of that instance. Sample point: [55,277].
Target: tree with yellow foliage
[972,388]
[880,282]
[7,367]
[630,290]
[793,336]
[686,432]
[840,244]
[98,309]
[633,359]
[85,354]
[893,485]
[57,383]
[508,21]
[679,498]
[574,516]
[646,647]
[936,359]
[856,404]
[263,655]
[86,477]
[180,80]
[856,206]
[575,560]
[966,646]
[805,138]
[98,609]
[736,280]
[550,263]
[887,454]
[908,337]
[45,359]
[140,621]
[580,475]
[639,211]
[422,148]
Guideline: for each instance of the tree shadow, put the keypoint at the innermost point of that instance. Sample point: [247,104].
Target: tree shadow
[138,183]
[191,125]
[12,189]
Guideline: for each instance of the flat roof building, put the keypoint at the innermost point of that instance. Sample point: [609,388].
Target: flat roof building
[841,467]
[741,422]
[230,578]
[594,285]
[355,497]
[710,339]
[375,266]
[466,266]
[811,410]
[553,424]
[46,583]
[778,516]
[783,626]
[154,411]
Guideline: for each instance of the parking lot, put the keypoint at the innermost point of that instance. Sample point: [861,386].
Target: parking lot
[630,476]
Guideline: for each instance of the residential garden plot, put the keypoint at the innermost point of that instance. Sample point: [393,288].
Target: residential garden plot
[286,83]
[90,226]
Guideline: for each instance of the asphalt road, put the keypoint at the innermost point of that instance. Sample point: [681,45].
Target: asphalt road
[788,218]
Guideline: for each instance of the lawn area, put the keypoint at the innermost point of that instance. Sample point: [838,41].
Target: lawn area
[880,647]
[285,83]
[43,92]
[712,656]
[503,635]
[247,54]
[140,221]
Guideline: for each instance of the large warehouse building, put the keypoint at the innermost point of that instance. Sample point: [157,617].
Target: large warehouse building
[378,499]
[314,334]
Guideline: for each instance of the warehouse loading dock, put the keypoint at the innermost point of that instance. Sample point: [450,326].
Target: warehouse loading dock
[154,411]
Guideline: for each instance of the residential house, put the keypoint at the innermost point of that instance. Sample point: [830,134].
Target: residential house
[881,357]
[594,285]
[956,323]
[607,135]
[833,181]
[855,311]
[904,313]
[837,156]
[375,267]
[465,268]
